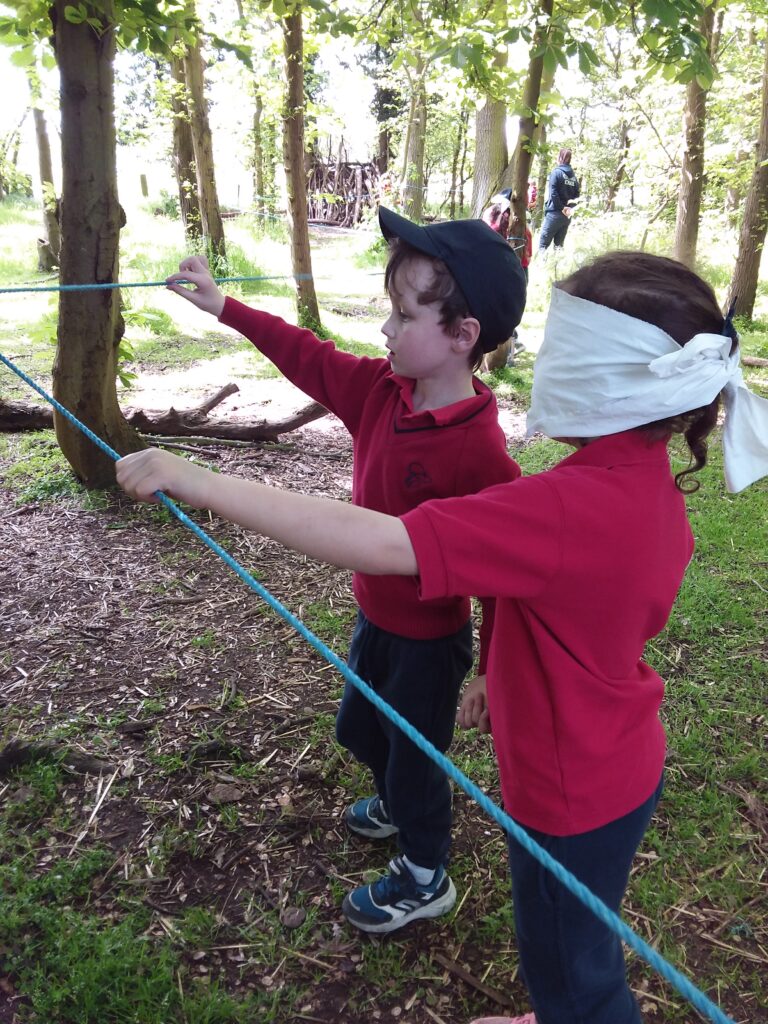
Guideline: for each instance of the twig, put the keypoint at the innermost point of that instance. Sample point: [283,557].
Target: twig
[94,812]
[470,979]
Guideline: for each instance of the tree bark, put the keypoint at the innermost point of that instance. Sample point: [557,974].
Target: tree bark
[184,156]
[49,253]
[621,168]
[541,149]
[491,154]
[521,161]
[692,171]
[413,176]
[296,180]
[743,289]
[90,326]
[213,226]
[461,129]
[259,203]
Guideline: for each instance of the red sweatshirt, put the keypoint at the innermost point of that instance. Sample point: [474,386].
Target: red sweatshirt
[585,562]
[401,457]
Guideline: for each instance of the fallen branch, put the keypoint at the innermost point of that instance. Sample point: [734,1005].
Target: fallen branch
[21,752]
[175,423]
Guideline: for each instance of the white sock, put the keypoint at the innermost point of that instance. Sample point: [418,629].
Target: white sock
[422,875]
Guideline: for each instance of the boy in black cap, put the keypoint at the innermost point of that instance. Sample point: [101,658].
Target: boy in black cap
[424,427]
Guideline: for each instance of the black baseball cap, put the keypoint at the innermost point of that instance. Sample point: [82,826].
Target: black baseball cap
[484,266]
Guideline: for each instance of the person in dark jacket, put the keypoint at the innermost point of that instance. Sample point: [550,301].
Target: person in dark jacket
[562,195]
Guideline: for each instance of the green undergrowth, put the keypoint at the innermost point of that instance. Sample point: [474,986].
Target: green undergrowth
[38,472]
[75,963]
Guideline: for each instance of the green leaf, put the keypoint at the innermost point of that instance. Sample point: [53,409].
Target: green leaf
[24,57]
[75,15]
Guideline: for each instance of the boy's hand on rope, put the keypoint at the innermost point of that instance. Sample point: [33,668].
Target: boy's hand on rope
[204,294]
[473,710]
[143,473]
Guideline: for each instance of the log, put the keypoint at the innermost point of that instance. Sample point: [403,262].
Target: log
[25,416]
[194,422]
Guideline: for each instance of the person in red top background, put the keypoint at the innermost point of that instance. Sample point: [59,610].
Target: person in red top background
[424,427]
[585,561]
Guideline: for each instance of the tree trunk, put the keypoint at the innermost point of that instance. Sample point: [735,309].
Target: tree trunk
[541,182]
[491,154]
[49,251]
[461,130]
[541,148]
[621,168]
[259,203]
[413,178]
[184,156]
[90,326]
[295,177]
[213,226]
[692,171]
[384,106]
[743,287]
[521,161]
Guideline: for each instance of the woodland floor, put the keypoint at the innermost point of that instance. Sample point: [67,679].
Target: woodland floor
[221,787]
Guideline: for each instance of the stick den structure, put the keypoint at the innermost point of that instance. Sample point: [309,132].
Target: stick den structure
[339,192]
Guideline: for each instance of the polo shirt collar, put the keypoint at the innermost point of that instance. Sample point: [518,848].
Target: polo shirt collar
[625,448]
[444,416]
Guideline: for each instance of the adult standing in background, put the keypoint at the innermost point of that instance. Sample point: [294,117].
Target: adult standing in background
[562,193]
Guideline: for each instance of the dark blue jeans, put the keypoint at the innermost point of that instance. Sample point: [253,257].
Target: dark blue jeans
[421,679]
[572,963]
[554,229]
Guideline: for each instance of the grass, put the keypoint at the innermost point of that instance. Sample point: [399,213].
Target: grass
[42,474]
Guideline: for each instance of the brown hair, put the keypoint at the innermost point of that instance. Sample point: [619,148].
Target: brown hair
[564,156]
[444,290]
[665,293]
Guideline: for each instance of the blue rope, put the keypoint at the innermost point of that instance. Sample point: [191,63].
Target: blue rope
[145,284]
[694,996]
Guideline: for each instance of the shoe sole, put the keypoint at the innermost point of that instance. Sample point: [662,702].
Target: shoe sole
[435,909]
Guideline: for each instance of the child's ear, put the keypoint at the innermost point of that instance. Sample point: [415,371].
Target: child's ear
[469,332]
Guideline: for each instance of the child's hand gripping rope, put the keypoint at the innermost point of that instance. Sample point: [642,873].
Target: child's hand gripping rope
[205,294]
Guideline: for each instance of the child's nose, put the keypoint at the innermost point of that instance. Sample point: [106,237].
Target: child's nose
[386,327]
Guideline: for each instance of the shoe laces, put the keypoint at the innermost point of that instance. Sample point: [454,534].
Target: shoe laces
[397,883]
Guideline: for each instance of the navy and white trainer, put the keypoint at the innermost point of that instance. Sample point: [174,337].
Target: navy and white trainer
[396,899]
[368,817]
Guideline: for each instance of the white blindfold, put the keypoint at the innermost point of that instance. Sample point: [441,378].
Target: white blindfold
[601,372]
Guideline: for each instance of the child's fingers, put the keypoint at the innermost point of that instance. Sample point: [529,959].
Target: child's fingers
[484,721]
[470,710]
[197,264]
[142,473]
[188,277]
[464,715]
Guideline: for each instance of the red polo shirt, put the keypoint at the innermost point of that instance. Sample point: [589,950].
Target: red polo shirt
[585,562]
[402,456]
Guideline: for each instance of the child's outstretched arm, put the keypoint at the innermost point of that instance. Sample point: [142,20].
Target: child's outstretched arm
[205,295]
[330,531]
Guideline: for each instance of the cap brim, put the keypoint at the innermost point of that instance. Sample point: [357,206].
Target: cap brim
[394,226]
